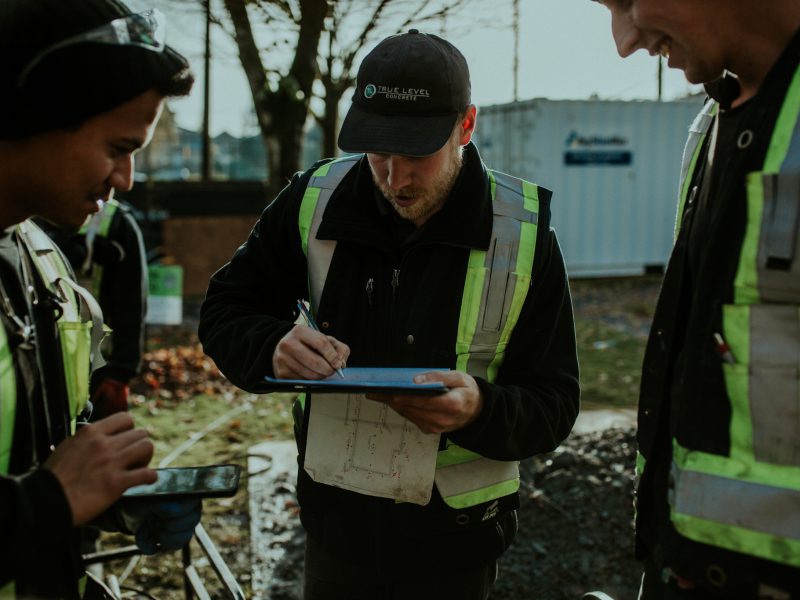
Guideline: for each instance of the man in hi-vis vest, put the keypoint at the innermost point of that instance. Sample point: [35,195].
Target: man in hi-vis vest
[410,253]
[718,503]
[82,85]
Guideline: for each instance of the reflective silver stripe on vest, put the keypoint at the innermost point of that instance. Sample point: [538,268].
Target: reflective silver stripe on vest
[476,477]
[773,383]
[319,254]
[778,261]
[762,508]
[501,261]
[466,478]
[697,133]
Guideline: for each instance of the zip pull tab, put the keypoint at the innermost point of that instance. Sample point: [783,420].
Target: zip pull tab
[370,287]
[395,281]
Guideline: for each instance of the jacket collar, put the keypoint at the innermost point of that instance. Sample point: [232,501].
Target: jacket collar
[726,89]
[358,212]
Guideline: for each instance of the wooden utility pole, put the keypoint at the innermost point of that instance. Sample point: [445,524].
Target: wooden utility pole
[660,76]
[515,67]
[205,167]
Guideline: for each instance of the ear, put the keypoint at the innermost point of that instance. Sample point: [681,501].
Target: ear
[468,124]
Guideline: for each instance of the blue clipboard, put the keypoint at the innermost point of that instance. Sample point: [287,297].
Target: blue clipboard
[360,380]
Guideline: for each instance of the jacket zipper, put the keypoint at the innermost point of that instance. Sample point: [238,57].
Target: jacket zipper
[395,284]
[370,288]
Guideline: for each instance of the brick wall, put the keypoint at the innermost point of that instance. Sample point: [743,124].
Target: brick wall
[202,245]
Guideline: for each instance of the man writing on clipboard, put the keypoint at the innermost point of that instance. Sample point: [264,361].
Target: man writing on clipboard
[411,254]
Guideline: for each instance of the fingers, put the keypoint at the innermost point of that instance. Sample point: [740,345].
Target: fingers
[342,352]
[136,453]
[304,353]
[326,347]
[114,424]
[451,379]
[134,477]
[100,462]
[441,413]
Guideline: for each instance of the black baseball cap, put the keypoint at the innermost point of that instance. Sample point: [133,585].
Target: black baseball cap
[410,90]
[54,74]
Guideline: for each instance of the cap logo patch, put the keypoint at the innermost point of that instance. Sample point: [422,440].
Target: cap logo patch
[396,92]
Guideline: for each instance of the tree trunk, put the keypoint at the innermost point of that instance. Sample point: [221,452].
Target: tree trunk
[329,123]
[281,113]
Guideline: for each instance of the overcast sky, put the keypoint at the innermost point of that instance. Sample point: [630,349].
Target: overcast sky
[566,51]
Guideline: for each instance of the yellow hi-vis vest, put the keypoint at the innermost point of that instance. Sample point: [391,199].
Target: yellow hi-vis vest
[749,501]
[90,275]
[80,330]
[463,478]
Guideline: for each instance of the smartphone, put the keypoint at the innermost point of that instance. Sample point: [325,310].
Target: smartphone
[212,481]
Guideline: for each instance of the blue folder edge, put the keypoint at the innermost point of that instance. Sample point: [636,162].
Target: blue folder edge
[363,379]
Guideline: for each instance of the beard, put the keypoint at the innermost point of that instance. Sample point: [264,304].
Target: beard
[429,198]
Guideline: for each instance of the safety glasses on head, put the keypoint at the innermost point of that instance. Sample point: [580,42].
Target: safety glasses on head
[146,30]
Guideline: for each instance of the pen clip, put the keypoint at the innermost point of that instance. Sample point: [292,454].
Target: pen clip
[301,306]
[307,317]
[722,348]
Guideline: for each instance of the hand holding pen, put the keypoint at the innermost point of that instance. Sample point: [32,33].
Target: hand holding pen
[309,319]
[307,353]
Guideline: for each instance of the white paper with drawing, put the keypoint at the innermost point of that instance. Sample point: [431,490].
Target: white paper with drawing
[366,447]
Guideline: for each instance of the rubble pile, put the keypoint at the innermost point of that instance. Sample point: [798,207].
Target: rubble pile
[180,372]
[575,522]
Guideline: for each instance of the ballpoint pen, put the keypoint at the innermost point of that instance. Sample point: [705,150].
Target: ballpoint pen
[309,319]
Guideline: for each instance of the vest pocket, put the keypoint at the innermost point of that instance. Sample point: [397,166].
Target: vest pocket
[497,288]
[76,350]
[770,265]
[763,383]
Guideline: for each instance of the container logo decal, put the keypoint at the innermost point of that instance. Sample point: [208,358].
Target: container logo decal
[597,150]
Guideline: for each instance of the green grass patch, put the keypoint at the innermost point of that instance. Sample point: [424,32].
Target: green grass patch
[241,421]
[610,362]
[250,419]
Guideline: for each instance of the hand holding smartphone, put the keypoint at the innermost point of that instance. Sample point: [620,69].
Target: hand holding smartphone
[212,481]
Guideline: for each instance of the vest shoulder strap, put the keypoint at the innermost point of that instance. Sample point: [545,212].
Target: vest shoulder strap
[319,253]
[698,131]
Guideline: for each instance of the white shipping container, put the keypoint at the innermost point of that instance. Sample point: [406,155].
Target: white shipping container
[612,165]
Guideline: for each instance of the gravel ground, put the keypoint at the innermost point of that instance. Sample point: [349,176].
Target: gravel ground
[575,530]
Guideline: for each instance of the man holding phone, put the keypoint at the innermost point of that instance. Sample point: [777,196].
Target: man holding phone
[82,84]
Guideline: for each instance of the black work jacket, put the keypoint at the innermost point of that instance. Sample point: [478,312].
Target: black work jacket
[683,394]
[409,319]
